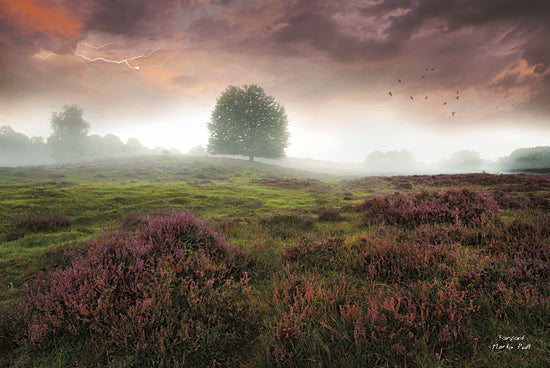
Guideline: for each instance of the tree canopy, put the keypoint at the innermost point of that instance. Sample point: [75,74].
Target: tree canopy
[246,121]
[70,130]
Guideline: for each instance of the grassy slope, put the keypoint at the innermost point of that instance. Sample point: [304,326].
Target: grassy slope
[240,198]
[100,194]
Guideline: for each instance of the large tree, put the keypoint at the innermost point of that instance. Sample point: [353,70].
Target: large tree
[70,131]
[246,121]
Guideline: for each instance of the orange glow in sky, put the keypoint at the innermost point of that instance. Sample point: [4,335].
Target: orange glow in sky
[42,16]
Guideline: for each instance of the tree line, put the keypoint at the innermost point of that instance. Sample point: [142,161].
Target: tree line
[69,141]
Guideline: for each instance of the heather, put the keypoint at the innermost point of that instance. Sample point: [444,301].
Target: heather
[172,292]
[211,263]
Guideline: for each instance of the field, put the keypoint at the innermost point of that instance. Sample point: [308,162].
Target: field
[182,261]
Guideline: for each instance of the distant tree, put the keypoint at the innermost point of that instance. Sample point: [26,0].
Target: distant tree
[197,151]
[112,144]
[527,158]
[246,121]
[17,149]
[133,146]
[70,130]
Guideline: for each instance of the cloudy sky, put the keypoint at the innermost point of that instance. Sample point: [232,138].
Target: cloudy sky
[153,70]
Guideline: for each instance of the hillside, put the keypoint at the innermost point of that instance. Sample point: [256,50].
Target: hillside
[187,261]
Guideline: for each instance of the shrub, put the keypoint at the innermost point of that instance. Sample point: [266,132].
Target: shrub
[331,214]
[328,253]
[428,207]
[384,258]
[287,225]
[42,223]
[172,290]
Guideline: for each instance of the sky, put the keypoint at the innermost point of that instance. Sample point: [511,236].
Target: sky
[153,70]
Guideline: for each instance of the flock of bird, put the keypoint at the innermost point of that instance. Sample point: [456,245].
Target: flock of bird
[426,97]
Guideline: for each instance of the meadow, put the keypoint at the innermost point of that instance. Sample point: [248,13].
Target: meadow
[205,262]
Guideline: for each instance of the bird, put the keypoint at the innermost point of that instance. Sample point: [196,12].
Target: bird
[453,113]
[399,80]
[411,97]
[457,92]
[389,93]
[423,75]
[457,97]
[426,97]
[444,103]
[432,69]
[427,68]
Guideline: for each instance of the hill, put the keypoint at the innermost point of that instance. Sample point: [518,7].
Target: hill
[186,261]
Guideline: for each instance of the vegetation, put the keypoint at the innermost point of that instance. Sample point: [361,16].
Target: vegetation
[246,121]
[69,142]
[70,130]
[532,158]
[198,261]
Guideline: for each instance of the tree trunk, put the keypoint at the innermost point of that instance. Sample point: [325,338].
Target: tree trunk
[251,158]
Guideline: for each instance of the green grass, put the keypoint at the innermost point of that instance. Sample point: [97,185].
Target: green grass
[264,208]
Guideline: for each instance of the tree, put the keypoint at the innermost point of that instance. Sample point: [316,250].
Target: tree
[246,121]
[17,149]
[197,151]
[527,159]
[70,130]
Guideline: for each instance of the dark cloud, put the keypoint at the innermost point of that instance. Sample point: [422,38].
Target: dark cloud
[126,17]
[185,81]
[507,82]
[315,28]
[355,44]
[206,29]
[538,105]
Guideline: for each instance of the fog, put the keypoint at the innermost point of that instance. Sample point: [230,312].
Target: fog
[360,81]
[16,149]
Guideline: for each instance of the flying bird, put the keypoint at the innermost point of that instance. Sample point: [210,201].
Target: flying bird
[432,69]
[389,93]
[426,97]
[457,97]
[411,97]
[423,75]
[457,92]
[444,103]
[399,80]
[453,113]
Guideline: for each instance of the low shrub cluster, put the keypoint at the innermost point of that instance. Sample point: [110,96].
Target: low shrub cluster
[330,214]
[429,207]
[33,224]
[437,293]
[43,223]
[342,322]
[171,292]
[286,226]
[435,279]
[291,182]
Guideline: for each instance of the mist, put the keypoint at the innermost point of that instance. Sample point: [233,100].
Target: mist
[17,149]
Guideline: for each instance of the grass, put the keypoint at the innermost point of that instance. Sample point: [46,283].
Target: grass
[429,271]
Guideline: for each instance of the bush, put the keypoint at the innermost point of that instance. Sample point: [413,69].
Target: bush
[287,225]
[43,223]
[331,214]
[429,207]
[328,253]
[173,291]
